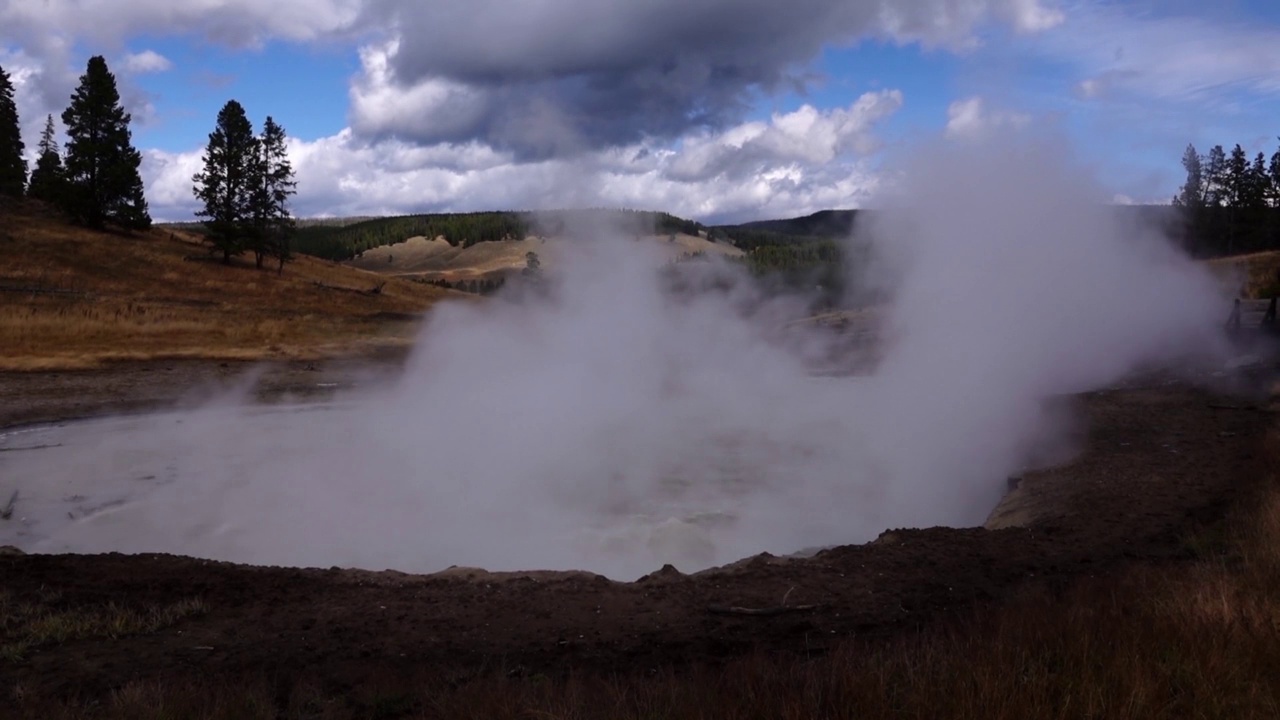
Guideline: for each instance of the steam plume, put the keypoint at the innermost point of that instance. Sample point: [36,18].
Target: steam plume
[615,427]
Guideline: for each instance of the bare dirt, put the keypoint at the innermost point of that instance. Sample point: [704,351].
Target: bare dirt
[1160,461]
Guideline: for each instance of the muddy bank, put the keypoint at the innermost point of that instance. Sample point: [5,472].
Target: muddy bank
[134,387]
[1159,463]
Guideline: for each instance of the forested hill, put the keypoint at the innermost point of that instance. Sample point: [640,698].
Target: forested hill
[822,224]
[345,241]
[1204,232]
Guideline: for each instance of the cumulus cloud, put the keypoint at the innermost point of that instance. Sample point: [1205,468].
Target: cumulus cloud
[807,137]
[795,163]
[342,176]
[572,75]
[147,61]
[635,103]
[971,118]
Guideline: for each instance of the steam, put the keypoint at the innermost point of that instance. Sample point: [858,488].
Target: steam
[615,426]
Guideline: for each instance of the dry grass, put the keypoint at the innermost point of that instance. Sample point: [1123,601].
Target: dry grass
[70,297]
[1256,276]
[30,623]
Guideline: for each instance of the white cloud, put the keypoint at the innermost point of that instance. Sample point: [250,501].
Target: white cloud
[489,104]
[970,118]
[147,61]
[797,163]
[805,137]
[380,107]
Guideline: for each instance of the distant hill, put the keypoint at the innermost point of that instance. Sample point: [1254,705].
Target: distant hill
[344,241]
[822,224]
[435,259]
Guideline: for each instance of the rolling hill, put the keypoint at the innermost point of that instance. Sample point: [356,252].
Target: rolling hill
[72,297]
[438,260]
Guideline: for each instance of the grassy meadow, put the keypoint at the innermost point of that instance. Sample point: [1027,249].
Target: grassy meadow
[74,298]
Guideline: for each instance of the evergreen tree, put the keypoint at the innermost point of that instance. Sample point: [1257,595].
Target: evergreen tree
[13,167]
[1237,178]
[1215,177]
[227,184]
[1273,172]
[273,184]
[103,184]
[1258,185]
[1192,193]
[47,180]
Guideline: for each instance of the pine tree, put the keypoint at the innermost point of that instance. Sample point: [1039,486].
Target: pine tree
[1215,177]
[1192,193]
[1258,183]
[274,184]
[226,185]
[101,164]
[13,167]
[47,180]
[1273,171]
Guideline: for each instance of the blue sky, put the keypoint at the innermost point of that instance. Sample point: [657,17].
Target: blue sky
[716,109]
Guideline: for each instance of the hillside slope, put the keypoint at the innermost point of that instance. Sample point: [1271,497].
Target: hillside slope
[71,297]
[433,259]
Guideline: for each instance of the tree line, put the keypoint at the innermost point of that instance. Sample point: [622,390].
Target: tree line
[483,286]
[459,229]
[344,242]
[1230,203]
[95,178]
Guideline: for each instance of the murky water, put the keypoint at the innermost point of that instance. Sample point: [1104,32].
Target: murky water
[312,485]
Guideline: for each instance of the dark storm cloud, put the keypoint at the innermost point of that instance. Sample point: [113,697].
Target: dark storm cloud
[549,77]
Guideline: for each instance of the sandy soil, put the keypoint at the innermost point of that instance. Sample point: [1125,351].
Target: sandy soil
[1159,460]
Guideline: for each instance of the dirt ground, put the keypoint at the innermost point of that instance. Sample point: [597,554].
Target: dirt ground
[1160,460]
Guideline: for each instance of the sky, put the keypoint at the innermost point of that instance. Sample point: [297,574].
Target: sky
[717,110]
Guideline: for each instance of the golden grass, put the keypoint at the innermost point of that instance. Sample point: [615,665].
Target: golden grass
[71,297]
[1256,276]
[31,623]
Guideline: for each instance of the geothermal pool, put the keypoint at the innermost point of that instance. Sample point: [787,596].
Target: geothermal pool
[319,485]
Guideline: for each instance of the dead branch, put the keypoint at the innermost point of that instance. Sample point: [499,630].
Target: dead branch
[759,612]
